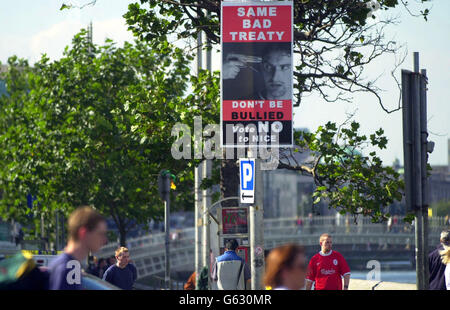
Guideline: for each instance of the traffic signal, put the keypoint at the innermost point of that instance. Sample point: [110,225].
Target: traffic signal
[166,182]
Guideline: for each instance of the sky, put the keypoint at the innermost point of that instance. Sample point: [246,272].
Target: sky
[30,28]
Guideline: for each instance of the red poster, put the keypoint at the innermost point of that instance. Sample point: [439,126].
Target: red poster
[257,73]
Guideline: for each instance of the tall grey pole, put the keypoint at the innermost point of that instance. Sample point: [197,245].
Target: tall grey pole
[256,232]
[197,190]
[167,233]
[416,148]
[424,181]
[417,173]
[205,221]
[198,222]
[164,192]
[57,234]
[63,230]
[207,169]
[44,242]
[208,51]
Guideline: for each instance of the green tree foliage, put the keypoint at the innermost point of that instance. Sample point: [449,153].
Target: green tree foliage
[94,127]
[349,181]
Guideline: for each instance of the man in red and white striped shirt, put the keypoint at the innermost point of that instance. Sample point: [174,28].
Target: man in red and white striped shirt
[327,268]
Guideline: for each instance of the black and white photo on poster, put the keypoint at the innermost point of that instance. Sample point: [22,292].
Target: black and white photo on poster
[258,71]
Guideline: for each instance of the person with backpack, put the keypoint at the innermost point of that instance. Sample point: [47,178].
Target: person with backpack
[230,270]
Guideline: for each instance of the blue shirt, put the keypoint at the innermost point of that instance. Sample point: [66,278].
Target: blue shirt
[121,277]
[65,273]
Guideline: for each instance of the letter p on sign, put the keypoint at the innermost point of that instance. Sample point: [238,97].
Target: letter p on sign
[247,178]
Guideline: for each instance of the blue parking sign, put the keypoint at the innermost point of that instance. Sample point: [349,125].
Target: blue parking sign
[247,178]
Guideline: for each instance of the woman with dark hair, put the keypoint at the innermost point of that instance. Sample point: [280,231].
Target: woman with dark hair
[286,268]
[102,266]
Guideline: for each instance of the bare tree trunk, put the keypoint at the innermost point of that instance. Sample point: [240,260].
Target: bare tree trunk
[122,236]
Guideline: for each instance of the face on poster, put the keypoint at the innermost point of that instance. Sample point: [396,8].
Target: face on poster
[257,74]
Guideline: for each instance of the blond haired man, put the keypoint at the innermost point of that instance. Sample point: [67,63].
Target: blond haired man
[122,274]
[327,267]
[87,233]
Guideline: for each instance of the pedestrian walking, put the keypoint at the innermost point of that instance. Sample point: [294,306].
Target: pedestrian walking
[102,266]
[87,231]
[230,270]
[93,266]
[123,274]
[285,268]
[111,261]
[389,224]
[299,224]
[327,268]
[395,224]
[436,266]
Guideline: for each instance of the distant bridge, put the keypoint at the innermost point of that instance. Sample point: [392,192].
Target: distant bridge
[358,242]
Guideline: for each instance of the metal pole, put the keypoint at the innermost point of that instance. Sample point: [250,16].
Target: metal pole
[419,248]
[57,239]
[63,231]
[44,242]
[424,180]
[197,182]
[207,171]
[199,52]
[256,232]
[167,233]
[417,172]
[208,51]
[206,233]
[416,62]
[198,223]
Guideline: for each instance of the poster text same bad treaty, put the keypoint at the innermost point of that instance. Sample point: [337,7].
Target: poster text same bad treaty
[260,21]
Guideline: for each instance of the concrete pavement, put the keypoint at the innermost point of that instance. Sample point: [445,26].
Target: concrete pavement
[356,284]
